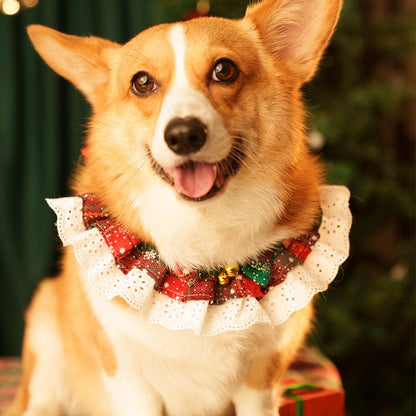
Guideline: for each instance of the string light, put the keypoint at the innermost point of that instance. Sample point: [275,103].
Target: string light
[12,7]
[203,6]
[30,3]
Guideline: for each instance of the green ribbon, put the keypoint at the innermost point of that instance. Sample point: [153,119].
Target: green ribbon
[259,271]
[289,393]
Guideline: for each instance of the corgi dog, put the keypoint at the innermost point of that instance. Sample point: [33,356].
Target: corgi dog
[200,228]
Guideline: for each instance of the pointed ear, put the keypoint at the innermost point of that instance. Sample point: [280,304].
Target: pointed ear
[296,32]
[83,61]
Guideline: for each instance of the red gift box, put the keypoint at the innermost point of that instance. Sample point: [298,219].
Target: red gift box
[312,387]
[312,401]
[10,372]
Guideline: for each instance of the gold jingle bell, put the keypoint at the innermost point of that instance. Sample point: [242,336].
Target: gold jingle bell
[230,271]
[223,278]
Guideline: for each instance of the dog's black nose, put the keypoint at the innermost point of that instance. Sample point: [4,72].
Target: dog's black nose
[185,135]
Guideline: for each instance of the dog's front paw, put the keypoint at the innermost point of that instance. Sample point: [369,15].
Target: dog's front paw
[249,402]
[42,411]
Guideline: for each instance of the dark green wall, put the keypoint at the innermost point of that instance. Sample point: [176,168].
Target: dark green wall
[42,119]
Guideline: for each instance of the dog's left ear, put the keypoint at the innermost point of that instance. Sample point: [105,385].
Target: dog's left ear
[84,61]
[296,32]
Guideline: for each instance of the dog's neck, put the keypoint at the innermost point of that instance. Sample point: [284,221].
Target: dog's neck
[239,225]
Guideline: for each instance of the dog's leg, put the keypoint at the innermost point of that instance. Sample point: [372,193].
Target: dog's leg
[249,402]
[259,395]
[44,385]
[130,396]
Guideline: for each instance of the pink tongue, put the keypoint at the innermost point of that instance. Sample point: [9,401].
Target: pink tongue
[194,180]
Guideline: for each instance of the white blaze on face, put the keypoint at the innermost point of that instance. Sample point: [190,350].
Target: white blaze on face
[197,234]
[183,100]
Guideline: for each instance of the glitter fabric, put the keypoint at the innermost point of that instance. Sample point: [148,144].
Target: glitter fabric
[159,297]
[254,279]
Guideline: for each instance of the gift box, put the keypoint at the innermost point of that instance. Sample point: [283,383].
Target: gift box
[10,373]
[308,400]
[312,387]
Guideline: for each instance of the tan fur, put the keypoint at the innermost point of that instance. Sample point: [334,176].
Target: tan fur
[276,47]
[267,371]
[291,32]
[85,323]
[239,108]
[87,349]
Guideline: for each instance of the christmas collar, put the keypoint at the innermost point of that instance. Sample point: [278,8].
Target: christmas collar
[255,278]
[266,289]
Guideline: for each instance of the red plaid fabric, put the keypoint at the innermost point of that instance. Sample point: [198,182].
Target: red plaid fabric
[254,279]
[10,373]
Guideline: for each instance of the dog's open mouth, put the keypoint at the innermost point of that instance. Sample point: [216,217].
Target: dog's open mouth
[198,181]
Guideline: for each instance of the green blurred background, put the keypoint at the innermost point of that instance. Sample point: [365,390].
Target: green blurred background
[361,109]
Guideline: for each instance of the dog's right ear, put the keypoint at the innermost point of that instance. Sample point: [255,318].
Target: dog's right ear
[295,32]
[84,61]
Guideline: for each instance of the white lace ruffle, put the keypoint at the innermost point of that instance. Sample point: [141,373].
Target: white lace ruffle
[136,288]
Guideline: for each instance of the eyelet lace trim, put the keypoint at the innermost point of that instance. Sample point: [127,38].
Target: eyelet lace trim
[136,288]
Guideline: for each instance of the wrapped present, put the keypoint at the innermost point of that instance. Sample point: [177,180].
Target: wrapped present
[312,387]
[10,372]
[309,400]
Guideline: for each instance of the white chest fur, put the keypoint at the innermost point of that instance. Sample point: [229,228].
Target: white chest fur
[185,373]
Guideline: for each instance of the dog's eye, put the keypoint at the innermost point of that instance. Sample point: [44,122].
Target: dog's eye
[225,70]
[143,83]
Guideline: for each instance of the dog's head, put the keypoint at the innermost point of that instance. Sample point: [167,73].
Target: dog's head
[197,130]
